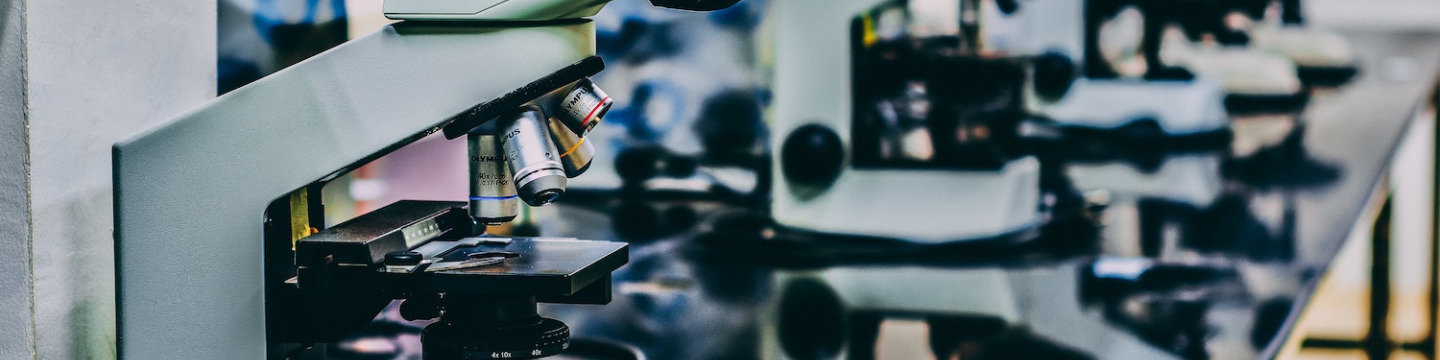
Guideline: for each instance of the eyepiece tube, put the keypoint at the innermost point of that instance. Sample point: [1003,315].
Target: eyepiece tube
[583,107]
[492,191]
[534,160]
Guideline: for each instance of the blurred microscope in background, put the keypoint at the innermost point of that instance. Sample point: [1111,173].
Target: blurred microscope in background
[820,179]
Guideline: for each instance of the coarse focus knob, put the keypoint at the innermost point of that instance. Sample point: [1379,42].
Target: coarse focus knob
[1054,73]
[534,339]
[812,156]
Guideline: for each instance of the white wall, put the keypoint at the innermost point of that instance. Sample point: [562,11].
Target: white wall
[17,333]
[96,71]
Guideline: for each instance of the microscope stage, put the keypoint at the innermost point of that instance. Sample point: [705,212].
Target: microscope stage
[545,266]
[414,247]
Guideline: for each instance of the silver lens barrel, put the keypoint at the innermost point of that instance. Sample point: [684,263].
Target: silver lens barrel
[575,152]
[534,160]
[493,200]
[583,106]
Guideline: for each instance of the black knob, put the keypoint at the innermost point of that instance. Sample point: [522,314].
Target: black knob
[403,258]
[812,155]
[1054,72]
[1007,6]
[811,323]
[730,123]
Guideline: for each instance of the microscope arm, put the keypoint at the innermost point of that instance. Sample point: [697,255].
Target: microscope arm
[189,192]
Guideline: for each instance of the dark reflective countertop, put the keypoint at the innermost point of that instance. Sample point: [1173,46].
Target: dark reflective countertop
[1209,253]
[1202,254]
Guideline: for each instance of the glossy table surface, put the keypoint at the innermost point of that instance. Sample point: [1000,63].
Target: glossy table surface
[1208,253]
[1202,254]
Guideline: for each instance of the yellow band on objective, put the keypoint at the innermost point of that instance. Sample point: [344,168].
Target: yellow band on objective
[572,148]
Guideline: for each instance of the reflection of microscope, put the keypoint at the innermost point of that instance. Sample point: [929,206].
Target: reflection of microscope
[1165,304]
[887,124]
[264,152]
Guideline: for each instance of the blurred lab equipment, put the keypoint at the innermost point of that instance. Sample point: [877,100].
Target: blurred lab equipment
[914,120]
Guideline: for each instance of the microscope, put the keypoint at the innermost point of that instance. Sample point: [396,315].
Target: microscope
[221,246]
[1091,94]
[888,124]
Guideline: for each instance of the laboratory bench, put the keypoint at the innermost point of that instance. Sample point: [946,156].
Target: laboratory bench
[1143,252]
[1168,253]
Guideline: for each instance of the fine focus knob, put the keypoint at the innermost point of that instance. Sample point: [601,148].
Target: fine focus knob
[812,156]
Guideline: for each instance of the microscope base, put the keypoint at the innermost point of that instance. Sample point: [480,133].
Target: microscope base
[923,206]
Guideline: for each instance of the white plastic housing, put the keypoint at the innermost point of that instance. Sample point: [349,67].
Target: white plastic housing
[812,85]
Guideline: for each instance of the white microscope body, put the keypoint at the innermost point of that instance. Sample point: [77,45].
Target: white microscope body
[1180,107]
[813,87]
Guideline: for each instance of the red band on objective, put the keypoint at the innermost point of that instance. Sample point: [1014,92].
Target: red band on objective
[591,115]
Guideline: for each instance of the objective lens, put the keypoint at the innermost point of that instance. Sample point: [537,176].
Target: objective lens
[583,107]
[575,152]
[492,193]
[533,159]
